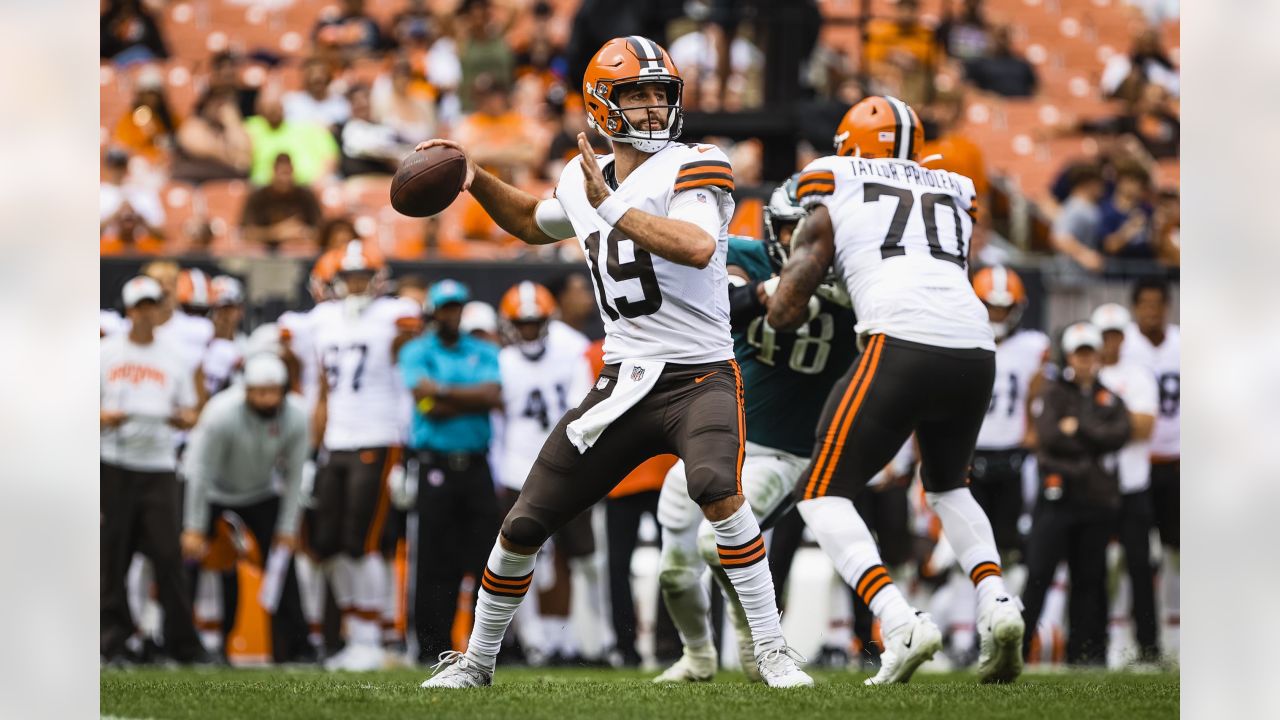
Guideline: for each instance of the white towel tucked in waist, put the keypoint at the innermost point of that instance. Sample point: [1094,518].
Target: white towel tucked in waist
[635,379]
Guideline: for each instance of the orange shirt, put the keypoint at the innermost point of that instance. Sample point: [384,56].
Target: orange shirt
[145,245]
[959,155]
[650,474]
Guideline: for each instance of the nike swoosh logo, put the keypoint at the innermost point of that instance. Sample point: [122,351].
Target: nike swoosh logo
[703,149]
[910,639]
[704,377]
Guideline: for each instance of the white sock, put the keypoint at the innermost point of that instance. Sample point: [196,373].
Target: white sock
[844,537]
[969,532]
[371,579]
[742,555]
[506,580]
[680,576]
[338,571]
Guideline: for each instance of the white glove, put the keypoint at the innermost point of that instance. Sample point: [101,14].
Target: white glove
[771,286]
[404,490]
[834,292]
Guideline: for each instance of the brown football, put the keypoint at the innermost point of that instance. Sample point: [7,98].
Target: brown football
[427,181]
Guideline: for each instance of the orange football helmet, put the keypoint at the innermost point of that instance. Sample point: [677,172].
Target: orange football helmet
[625,60]
[880,127]
[1000,287]
[194,293]
[526,302]
[358,256]
[322,276]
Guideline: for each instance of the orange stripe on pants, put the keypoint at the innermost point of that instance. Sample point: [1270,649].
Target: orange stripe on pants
[849,417]
[742,424]
[828,443]
[373,539]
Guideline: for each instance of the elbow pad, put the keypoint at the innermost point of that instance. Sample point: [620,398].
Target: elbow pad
[744,303]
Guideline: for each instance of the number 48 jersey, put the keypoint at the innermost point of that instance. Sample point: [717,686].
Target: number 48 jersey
[902,237]
[653,308]
[366,398]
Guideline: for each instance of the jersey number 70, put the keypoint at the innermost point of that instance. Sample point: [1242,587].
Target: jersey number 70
[929,202]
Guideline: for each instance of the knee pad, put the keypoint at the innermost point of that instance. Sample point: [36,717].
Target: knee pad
[707,545]
[708,483]
[524,531]
[678,570]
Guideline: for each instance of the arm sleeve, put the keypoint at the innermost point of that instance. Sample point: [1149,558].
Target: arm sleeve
[744,304]
[295,459]
[552,219]
[202,460]
[700,206]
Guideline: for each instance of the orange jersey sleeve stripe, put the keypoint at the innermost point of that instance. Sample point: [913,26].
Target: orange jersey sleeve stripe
[718,181]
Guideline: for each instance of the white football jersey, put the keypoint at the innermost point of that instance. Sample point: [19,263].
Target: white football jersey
[902,237]
[1166,364]
[1018,358]
[536,393]
[365,392]
[221,360]
[301,341]
[189,334]
[1136,386]
[652,308]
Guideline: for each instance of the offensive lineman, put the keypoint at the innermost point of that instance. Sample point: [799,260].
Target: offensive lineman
[898,235]
[356,337]
[787,377]
[652,219]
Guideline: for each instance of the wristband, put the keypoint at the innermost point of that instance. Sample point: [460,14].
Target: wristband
[612,209]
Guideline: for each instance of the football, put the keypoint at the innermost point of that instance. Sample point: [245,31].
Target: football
[427,181]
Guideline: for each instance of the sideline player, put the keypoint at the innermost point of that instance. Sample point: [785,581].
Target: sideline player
[543,375]
[898,235]
[357,336]
[787,377]
[652,219]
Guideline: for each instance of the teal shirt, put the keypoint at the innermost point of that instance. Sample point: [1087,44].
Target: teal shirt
[787,376]
[469,361]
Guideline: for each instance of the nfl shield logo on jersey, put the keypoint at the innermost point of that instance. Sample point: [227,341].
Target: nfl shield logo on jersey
[602,383]
[637,373]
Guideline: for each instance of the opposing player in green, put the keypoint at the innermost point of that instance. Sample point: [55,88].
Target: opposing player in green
[787,377]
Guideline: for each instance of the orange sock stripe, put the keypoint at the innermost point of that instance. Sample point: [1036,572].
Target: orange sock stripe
[876,587]
[742,424]
[743,561]
[850,416]
[732,553]
[868,577]
[829,441]
[508,582]
[984,570]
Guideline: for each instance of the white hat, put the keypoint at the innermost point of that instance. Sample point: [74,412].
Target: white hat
[265,369]
[1079,335]
[264,339]
[477,315]
[141,288]
[1112,316]
[226,290]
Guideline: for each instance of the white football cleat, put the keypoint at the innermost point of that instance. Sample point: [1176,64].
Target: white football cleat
[906,649]
[357,658]
[1000,630]
[779,669]
[456,670]
[694,665]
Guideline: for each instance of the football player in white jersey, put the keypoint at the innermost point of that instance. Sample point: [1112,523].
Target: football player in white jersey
[1136,386]
[1003,441]
[356,337]
[225,351]
[898,235]
[652,219]
[1155,343]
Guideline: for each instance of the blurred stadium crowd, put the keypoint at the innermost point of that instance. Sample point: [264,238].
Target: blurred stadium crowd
[241,133]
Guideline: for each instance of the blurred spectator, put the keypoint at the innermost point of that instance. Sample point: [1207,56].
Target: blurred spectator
[1152,118]
[576,299]
[412,24]
[483,48]
[564,144]
[1079,426]
[126,232]
[1076,230]
[454,378]
[147,128]
[351,31]
[311,147]
[318,101]
[336,233]
[504,145]
[1147,62]
[699,54]
[368,147]
[212,143]
[1002,71]
[540,59]
[281,213]
[903,48]
[118,191]
[128,33]
[1166,227]
[947,148]
[246,456]
[965,35]
[1126,216]
[225,76]
[405,102]
[413,287]
[146,396]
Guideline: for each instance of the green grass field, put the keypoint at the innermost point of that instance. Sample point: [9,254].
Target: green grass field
[524,694]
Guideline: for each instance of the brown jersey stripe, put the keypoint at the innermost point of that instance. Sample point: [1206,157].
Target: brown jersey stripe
[816,176]
[718,165]
[705,175]
[731,548]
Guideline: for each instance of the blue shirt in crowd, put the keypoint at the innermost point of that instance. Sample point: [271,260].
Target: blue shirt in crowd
[469,361]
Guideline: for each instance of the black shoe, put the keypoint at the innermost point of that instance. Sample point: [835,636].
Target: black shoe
[833,657]
[624,658]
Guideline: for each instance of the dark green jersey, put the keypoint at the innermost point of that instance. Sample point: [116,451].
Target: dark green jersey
[787,376]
